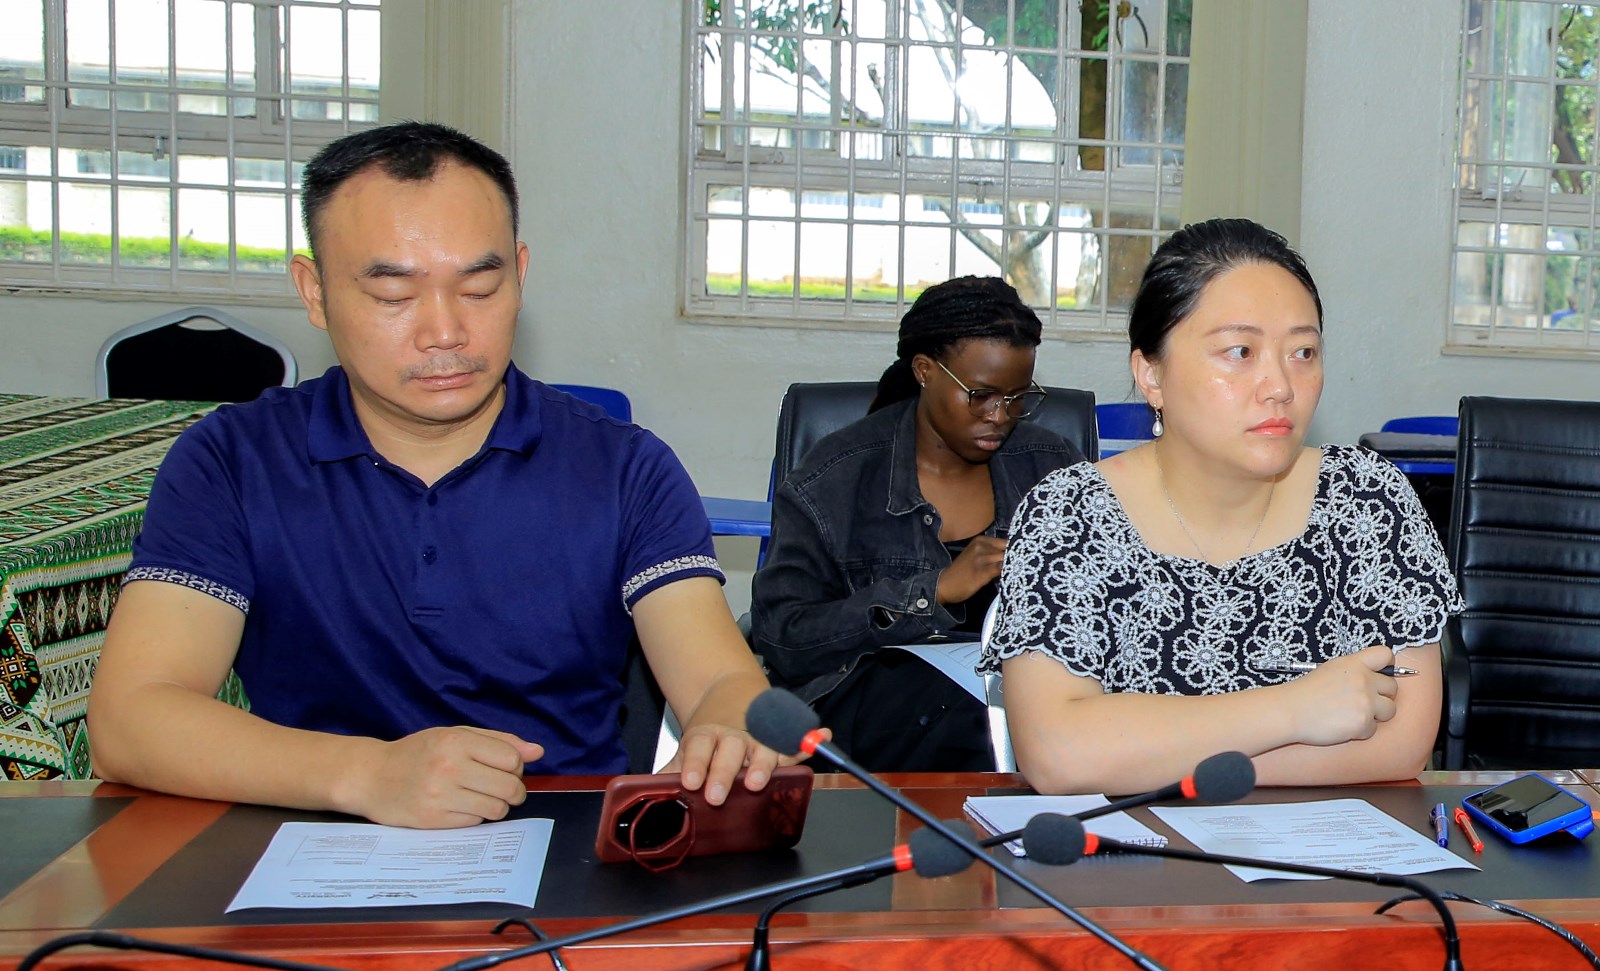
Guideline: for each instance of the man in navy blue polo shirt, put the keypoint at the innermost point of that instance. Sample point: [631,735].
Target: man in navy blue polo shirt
[425,566]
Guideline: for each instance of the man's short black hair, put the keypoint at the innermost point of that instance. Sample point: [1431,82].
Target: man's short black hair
[410,151]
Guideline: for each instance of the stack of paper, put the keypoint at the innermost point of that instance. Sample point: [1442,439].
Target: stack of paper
[1004,814]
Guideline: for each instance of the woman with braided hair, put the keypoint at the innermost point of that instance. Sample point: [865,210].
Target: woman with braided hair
[892,530]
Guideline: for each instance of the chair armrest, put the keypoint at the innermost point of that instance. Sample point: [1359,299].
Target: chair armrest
[1005,758]
[1457,695]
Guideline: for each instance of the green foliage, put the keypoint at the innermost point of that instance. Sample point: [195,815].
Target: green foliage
[810,16]
[1576,52]
[1576,42]
[727,285]
[1577,58]
[20,244]
[1037,24]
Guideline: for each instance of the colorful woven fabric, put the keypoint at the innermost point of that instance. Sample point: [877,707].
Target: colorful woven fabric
[74,477]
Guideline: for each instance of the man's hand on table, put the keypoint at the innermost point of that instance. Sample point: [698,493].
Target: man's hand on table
[440,778]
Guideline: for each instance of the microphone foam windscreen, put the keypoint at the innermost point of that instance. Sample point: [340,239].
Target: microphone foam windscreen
[934,856]
[1224,777]
[1053,839]
[779,720]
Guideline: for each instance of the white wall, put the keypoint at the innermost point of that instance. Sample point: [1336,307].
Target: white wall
[48,344]
[603,304]
[1375,224]
[596,142]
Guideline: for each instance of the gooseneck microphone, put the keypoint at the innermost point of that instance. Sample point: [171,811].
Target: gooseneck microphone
[782,722]
[924,851]
[1056,839]
[1224,777]
[932,856]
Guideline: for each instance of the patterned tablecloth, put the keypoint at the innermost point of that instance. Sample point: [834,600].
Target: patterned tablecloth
[74,477]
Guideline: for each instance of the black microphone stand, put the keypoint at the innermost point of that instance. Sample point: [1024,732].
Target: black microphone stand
[779,720]
[126,942]
[820,883]
[933,822]
[637,923]
[1452,941]
[760,950]
[760,958]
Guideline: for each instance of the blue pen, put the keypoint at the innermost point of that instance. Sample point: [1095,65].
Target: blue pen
[1441,825]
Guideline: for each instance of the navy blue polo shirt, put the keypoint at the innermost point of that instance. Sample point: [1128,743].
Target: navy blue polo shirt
[375,605]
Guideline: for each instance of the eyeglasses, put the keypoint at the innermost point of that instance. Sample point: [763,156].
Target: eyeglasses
[983,401]
[658,831]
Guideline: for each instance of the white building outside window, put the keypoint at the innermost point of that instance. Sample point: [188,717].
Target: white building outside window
[844,155]
[156,145]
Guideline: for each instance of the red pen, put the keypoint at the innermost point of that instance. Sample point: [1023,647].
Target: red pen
[1465,822]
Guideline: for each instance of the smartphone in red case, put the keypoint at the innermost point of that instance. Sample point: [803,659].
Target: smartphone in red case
[653,820]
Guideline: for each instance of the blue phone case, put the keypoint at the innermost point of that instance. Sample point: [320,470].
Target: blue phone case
[1579,822]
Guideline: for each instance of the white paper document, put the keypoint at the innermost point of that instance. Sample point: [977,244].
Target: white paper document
[1347,834]
[1004,814]
[956,660]
[365,865]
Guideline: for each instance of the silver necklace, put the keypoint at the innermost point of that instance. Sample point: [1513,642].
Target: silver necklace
[1161,476]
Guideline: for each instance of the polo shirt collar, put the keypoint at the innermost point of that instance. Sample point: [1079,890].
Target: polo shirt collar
[518,427]
[335,433]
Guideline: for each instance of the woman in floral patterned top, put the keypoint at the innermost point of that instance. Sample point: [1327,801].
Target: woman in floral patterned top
[1155,607]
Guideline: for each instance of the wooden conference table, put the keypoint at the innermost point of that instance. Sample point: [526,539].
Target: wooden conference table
[97,855]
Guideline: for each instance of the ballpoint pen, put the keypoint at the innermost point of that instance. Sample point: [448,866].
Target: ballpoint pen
[1441,825]
[1302,667]
[1465,822]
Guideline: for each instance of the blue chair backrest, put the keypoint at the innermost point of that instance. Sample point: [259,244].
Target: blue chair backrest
[1424,425]
[1127,421]
[613,401]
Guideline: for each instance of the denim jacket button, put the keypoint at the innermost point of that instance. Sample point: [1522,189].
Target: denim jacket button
[927,519]
[922,603]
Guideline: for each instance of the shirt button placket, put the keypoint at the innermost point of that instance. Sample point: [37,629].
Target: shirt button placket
[430,552]
[428,595]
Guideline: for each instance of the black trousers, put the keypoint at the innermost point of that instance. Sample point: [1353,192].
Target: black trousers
[897,713]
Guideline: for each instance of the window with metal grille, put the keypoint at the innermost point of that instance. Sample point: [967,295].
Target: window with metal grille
[161,141]
[844,155]
[1525,272]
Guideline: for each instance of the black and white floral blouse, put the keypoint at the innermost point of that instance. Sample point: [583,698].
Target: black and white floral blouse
[1080,585]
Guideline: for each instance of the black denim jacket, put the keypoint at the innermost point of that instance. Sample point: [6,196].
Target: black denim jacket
[855,556]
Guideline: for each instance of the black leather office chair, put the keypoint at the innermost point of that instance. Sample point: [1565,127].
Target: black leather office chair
[643,706]
[1523,663]
[811,412]
[166,358]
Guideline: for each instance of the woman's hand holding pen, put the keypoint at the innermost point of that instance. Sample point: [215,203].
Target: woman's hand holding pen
[1345,698]
[977,565]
